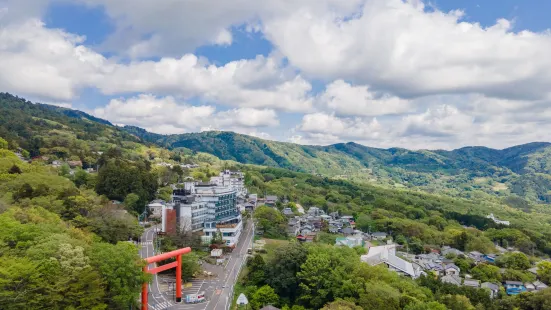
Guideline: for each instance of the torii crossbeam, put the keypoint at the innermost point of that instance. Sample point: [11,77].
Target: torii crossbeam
[177,264]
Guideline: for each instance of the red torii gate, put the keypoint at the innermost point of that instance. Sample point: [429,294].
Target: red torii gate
[177,264]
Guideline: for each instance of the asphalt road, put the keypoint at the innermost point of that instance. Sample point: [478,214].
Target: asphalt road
[218,290]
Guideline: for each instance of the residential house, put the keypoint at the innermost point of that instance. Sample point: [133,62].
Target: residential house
[529,287]
[451,279]
[333,229]
[492,287]
[293,226]
[378,235]
[288,212]
[471,283]
[325,217]
[347,231]
[270,201]
[497,221]
[449,250]
[156,208]
[315,211]
[348,218]
[476,256]
[540,285]
[306,229]
[514,287]
[491,258]
[334,215]
[386,254]
[75,163]
[452,270]
[350,241]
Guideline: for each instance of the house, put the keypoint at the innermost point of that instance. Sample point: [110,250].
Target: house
[492,287]
[288,212]
[325,217]
[334,215]
[333,229]
[451,270]
[293,227]
[310,237]
[491,258]
[529,287]
[270,201]
[348,218]
[350,241]
[471,283]
[348,231]
[378,235]
[306,229]
[449,250]
[451,279]
[75,163]
[540,285]
[315,211]
[156,208]
[386,254]
[497,221]
[514,287]
[476,256]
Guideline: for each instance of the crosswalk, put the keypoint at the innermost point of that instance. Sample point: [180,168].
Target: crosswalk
[161,306]
[146,242]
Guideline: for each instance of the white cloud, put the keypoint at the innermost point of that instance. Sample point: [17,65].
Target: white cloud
[321,123]
[442,120]
[398,46]
[346,99]
[45,63]
[167,115]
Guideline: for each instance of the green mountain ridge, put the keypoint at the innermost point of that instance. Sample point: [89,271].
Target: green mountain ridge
[522,171]
[519,173]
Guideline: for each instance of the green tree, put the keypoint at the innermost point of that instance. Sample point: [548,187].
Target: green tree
[364,222]
[544,272]
[514,260]
[486,273]
[271,221]
[131,202]
[264,296]
[283,267]
[456,302]
[120,267]
[341,305]
[256,267]
[3,144]
[81,178]
[433,305]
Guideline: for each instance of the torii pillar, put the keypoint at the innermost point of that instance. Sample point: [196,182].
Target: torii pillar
[177,264]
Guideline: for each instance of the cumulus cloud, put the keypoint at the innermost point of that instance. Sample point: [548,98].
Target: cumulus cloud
[167,115]
[328,124]
[400,47]
[347,99]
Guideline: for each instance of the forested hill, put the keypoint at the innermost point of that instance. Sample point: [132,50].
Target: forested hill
[516,175]
[520,171]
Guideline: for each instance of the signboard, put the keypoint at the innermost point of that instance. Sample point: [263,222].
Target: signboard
[242,300]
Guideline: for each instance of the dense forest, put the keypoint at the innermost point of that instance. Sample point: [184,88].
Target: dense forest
[521,172]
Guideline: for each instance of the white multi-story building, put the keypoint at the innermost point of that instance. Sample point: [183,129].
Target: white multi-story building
[233,179]
[210,208]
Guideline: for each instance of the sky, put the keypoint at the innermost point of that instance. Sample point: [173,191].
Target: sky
[436,74]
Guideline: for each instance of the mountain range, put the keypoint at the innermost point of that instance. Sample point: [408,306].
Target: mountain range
[517,175]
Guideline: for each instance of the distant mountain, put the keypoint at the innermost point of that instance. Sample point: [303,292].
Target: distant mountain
[514,175]
[523,171]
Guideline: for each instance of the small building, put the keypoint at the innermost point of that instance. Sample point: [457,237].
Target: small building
[386,254]
[491,258]
[451,279]
[529,287]
[350,241]
[378,235]
[270,201]
[540,285]
[156,208]
[476,256]
[449,250]
[452,270]
[514,287]
[492,287]
[288,212]
[471,283]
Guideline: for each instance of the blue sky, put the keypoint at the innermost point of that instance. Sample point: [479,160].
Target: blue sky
[384,73]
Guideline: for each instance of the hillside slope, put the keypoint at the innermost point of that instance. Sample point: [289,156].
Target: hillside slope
[522,171]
